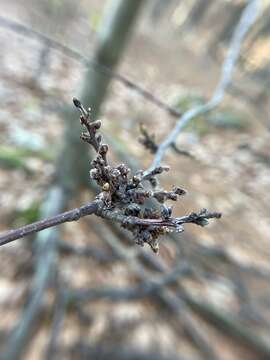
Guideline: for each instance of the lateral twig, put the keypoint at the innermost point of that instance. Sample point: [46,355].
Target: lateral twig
[149,142]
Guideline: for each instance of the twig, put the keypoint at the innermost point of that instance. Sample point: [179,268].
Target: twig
[26,31]
[71,215]
[69,248]
[200,218]
[149,142]
[248,17]
[97,208]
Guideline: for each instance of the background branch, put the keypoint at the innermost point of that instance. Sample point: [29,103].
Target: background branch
[248,17]
[75,55]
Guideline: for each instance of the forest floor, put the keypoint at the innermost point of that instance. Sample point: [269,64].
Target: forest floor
[230,172]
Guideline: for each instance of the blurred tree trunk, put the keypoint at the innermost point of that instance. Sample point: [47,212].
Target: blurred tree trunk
[73,164]
[197,13]
[159,8]
[112,37]
[224,35]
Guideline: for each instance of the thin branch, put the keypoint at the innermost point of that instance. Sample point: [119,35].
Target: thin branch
[71,215]
[200,218]
[149,142]
[97,207]
[75,55]
[248,17]
[146,287]
[69,248]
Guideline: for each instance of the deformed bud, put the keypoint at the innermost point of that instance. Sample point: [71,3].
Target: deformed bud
[85,137]
[154,245]
[165,211]
[161,169]
[171,196]
[124,170]
[140,195]
[150,213]
[115,174]
[96,124]
[145,236]
[77,103]
[103,149]
[132,210]
[106,187]
[136,180]
[94,174]
[100,161]
[179,191]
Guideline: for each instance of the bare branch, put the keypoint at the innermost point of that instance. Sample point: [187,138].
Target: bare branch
[121,197]
[69,248]
[145,288]
[149,142]
[248,17]
[200,218]
[97,207]
[71,215]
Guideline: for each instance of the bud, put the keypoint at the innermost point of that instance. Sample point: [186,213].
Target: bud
[103,149]
[97,124]
[106,187]
[77,103]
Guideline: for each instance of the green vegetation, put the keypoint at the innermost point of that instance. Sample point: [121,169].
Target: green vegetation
[16,157]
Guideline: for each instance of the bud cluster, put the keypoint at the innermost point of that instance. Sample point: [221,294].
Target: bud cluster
[135,198]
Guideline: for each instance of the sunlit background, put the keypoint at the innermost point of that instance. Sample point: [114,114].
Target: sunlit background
[50,305]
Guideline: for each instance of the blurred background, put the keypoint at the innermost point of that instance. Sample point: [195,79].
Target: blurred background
[81,290]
